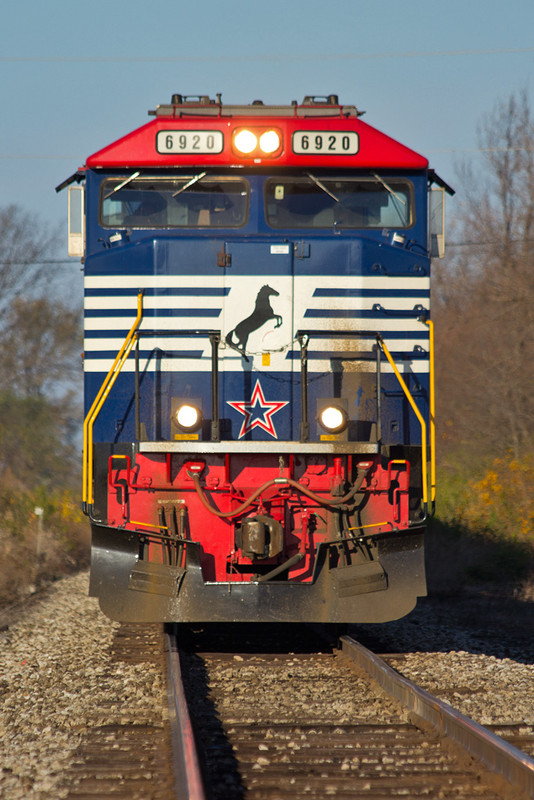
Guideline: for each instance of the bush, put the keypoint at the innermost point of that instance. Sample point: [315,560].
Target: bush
[42,537]
[484,530]
[502,500]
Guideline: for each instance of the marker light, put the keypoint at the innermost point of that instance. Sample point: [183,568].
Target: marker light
[269,142]
[245,141]
[188,417]
[333,419]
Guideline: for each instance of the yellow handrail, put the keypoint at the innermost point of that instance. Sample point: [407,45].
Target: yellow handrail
[417,414]
[432,414]
[98,402]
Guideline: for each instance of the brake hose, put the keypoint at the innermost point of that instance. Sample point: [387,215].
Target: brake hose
[325,501]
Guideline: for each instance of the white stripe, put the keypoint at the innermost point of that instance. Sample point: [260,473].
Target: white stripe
[177,343]
[325,325]
[190,343]
[102,303]
[161,323]
[363,345]
[367,303]
[398,283]
[153,281]
[334,303]
[197,365]
[419,367]
[322,324]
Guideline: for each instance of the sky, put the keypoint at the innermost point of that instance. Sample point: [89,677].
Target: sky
[76,76]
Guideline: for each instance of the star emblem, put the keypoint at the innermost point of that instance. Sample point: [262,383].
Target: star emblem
[258,412]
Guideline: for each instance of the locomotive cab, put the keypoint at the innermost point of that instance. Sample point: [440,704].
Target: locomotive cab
[258,441]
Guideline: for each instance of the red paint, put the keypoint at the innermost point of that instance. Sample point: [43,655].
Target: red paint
[135,503]
[138,149]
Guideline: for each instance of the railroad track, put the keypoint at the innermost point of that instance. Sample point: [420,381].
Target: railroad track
[288,725]
[281,727]
[125,754]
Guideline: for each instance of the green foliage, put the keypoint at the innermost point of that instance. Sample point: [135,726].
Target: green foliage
[498,501]
[484,531]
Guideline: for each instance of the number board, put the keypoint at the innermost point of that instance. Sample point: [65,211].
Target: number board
[324,143]
[189,142]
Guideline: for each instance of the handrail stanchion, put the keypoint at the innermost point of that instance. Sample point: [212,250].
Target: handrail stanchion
[303,339]
[109,380]
[378,397]
[215,338]
[137,391]
[419,417]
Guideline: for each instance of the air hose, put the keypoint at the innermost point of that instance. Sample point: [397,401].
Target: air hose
[325,501]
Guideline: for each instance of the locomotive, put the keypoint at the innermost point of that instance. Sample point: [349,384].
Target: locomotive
[259,429]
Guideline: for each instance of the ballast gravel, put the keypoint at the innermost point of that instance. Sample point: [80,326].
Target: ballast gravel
[57,678]
[475,653]
[56,681]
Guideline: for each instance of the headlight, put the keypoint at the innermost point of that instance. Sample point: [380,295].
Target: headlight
[245,141]
[333,418]
[188,417]
[257,142]
[269,142]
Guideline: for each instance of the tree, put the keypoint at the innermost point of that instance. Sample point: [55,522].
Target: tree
[36,442]
[41,348]
[484,300]
[40,365]
[25,243]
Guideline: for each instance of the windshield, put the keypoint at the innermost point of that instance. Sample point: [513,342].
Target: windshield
[311,202]
[192,201]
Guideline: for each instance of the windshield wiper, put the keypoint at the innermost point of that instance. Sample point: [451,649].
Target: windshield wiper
[190,183]
[390,190]
[322,186]
[132,177]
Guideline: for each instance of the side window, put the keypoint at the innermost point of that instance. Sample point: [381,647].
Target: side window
[436,210]
[76,221]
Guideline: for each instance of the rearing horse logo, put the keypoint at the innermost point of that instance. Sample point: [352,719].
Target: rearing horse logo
[263,312]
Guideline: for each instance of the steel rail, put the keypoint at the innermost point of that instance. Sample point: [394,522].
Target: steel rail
[494,753]
[188,777]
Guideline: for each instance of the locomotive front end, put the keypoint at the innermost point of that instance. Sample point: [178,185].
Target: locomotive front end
[258,440]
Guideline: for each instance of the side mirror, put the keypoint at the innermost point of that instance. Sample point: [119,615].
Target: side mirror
[76,221]
[436,206]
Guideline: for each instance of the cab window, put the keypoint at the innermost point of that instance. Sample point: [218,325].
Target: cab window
[192,201]
[319,202]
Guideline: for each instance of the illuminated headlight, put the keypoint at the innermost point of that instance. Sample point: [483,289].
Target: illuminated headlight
[188,417]
[269,142]
[257,142]
[333,419]
[245,141]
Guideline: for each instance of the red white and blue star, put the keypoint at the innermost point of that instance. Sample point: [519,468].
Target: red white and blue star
[258,412]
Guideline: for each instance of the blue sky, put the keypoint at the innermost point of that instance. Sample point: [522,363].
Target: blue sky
[76,76]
